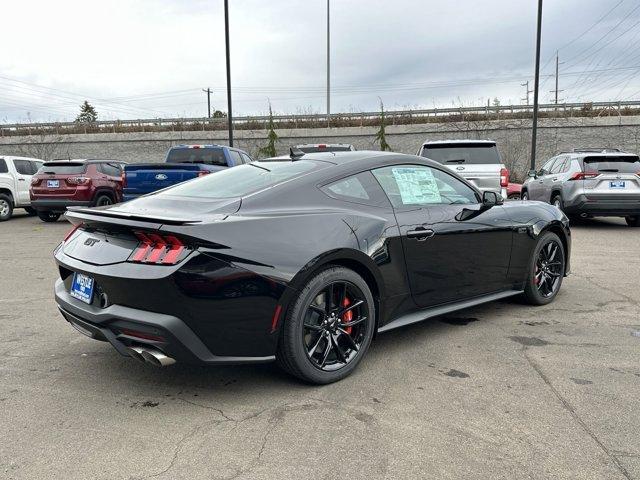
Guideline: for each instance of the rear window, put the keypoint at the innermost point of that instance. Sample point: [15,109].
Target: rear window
[3,166]
[63,168]
[242,180]
[623,164]
[206,156]
[468,153]
[324,148]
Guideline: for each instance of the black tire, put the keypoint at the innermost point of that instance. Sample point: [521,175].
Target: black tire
[6,207]
[297,357]
[32,212]
[102,200]
[514,196]
[633,220]
[47,216]
[538,290]
[556,201]
[524,196]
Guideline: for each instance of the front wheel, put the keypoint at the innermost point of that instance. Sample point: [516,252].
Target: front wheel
[6,207]
[103,200]
[633,220]
[546,270]
[328,328]
[48,217]
[557,202]
[524,196]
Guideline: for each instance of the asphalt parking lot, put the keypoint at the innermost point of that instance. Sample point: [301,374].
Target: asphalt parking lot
[498,391]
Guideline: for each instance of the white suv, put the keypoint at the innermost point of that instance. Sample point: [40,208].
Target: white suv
[475,160]
[15,180]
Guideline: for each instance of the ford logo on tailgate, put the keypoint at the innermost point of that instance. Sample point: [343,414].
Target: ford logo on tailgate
[161,176]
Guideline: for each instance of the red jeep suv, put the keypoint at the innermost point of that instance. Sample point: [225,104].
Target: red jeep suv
[66,183]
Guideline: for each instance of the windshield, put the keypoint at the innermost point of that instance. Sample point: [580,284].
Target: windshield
[207,156]
[242,180]
[63,168]
[468,153]
[623,164]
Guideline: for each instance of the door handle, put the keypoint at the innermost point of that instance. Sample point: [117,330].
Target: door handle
[554,178]
[420,234]
[540,181]
[21,179]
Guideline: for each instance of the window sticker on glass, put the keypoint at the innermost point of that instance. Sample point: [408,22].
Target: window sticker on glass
[416,185]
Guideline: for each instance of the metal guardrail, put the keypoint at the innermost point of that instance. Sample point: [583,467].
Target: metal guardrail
[293,120]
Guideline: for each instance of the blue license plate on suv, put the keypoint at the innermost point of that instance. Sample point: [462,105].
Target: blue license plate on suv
[82,287]
[53,183]
[617,184]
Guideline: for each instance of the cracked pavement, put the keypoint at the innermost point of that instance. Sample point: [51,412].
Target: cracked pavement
[501,390]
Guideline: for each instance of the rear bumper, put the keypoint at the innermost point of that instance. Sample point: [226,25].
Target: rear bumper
[58,205]
[613,207]
[174,337]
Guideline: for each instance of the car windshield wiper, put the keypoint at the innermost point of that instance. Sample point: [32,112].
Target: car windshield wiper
[457,160]
[257,166]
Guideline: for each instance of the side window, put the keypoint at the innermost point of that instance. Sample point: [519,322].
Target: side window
[235,156]
[418,185]
[111,169]
[546,168]
[246,158]
[35,166]
[558,167]
[23,167]
[3,166]
[361,188]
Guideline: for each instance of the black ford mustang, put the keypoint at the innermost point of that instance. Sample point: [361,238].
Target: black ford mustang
[300,261]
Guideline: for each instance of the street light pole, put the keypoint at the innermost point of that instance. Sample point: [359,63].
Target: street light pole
[226,36]
[328,66]
[536,84]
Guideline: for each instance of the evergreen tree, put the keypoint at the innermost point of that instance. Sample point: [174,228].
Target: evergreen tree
[269,150]
[381,135]
[87,114]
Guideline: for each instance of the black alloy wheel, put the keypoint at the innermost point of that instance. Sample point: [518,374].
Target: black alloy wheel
[547,270]
[329,328]
[103,201]
[48,217]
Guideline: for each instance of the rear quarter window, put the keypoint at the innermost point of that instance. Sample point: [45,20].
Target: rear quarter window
[468,153]
[361,188]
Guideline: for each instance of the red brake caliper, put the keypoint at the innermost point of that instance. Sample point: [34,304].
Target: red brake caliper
[536,280]
[347,317]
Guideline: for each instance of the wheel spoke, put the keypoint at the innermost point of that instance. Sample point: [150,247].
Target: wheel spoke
[318,310]
[339,352]
[315,328]
[325,354]
[315,346]
[553,250]
[354,322]
[352,343]
[350,307]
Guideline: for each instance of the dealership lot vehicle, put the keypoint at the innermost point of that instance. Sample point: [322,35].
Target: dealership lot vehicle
[476,160]
[15,177]
[301,261]
[590,182]
[514,190]
[324,147]
[69,183]
[182,163]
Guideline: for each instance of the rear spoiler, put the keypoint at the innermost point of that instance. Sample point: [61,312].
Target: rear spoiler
[89,215]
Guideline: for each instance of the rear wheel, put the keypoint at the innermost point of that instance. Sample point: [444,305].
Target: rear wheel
[103,200]
[514,196]
[32,212]
[48,217]
[546,270]
[524,196]
[6,207]
[633,220]
[329,327]
[557,202]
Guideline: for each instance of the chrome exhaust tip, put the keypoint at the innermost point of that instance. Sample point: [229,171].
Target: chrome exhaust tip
[156,358]
[584,215]
[136,352]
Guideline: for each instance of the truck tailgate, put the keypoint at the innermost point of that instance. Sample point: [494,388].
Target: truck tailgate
[141,179]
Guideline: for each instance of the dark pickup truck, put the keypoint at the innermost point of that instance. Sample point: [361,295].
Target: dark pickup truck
[183,162]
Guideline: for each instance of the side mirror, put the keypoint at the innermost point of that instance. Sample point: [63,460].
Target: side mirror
[532,174]
[491,199]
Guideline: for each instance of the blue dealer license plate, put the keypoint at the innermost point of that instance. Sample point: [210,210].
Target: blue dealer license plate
[82,287]
[617,184]
[53,183]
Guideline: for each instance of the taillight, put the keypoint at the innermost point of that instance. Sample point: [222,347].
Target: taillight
[78,180]
[35,181]
[157,249]
[584,175]
[202,173]
[71,232]
[123,179]
[504,177]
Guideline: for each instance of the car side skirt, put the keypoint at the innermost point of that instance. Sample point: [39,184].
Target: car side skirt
[431,312]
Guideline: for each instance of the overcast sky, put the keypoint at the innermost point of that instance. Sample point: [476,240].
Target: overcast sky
[151,58]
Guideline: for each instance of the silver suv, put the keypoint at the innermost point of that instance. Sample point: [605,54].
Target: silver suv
[589,183]
[476,160]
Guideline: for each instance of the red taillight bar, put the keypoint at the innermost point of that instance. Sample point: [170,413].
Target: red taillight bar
[158,249]
[584,175]
[202,173]
[504,177]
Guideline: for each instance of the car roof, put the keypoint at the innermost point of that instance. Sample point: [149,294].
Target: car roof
[598,154]
[456,141]
[14,157]
[336,158]
[327,144]
[83,160]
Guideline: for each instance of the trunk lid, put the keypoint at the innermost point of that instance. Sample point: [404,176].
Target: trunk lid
[618,176]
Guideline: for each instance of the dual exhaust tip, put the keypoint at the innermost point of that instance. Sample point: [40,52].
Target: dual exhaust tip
[150,355]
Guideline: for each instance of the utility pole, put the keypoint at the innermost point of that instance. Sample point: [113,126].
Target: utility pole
[536,84]
[226,37]
[328,66]
[208,92]
[526,84]
[556,90]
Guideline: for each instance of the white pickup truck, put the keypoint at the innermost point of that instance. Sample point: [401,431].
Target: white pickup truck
[15,180]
